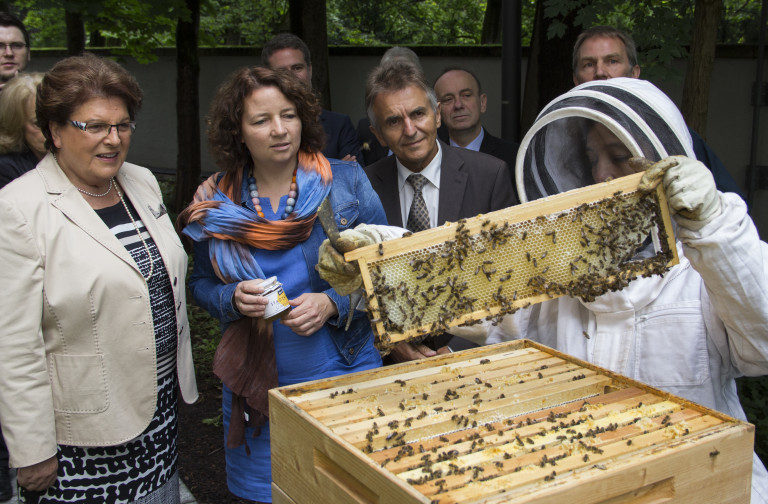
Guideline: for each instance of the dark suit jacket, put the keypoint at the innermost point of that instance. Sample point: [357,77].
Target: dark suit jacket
[12,166]
[500,148]
[341,138]
[723,179]
[494,146]
[471,183]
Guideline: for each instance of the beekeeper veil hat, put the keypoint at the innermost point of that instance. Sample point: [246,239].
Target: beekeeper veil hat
[553,155]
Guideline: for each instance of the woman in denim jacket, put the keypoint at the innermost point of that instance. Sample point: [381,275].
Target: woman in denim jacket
[258,220]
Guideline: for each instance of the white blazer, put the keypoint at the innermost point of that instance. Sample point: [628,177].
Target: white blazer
[77,343]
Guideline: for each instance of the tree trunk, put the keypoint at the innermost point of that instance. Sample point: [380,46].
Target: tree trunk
[308,22]
[549,71]
[491,23]
[697,76]
[187,107]
[75,33]
[97,39]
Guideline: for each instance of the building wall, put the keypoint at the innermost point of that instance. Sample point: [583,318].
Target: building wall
[155,145]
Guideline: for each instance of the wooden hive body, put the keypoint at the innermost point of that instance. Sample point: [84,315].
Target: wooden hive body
[514,423]
[580,243]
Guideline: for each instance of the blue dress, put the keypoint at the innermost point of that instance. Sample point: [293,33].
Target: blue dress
[250,476]
[331,351]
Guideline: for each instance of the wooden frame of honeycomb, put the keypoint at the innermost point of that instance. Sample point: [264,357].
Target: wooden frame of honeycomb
[515,422]
[579,243]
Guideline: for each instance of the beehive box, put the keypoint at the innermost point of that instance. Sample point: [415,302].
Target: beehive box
[579,243]
[515,423]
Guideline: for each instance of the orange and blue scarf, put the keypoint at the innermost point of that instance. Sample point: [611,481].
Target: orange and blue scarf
[245,358]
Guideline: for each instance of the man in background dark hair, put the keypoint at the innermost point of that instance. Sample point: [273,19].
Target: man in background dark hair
[14,47]
[462,103]
[288,51]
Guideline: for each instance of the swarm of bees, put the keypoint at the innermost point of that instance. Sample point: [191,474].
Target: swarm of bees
[584,251]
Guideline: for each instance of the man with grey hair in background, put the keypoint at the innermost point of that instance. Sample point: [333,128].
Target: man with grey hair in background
[370,147]
[605,52]
[426,182]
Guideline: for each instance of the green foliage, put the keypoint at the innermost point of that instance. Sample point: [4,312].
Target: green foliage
[657,47]
[206,334]
[133,27]
[528,13]
[661,28]
[139,26]
[741,22]
[232,22]
[405,21]
[45,24]
[215,421]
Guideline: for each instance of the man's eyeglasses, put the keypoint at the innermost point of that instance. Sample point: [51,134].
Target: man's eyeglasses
[15,46]
[104,129]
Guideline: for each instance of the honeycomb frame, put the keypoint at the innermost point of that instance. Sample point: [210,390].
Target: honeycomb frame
[581,243]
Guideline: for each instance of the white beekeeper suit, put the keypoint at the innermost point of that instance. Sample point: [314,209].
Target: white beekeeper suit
[701,325]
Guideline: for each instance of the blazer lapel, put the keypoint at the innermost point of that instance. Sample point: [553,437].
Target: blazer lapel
[453,182]
[66,198]
[389,192]
[489,144]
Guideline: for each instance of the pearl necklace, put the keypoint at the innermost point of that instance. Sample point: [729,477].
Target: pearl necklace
[138,232]
[109,189]
[290,203]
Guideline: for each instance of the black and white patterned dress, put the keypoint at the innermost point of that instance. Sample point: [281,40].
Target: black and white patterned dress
[142,470]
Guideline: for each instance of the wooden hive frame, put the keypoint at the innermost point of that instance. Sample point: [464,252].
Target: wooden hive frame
[579,243]
[515,423]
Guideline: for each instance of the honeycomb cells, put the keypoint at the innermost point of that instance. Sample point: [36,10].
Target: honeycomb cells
[584,251]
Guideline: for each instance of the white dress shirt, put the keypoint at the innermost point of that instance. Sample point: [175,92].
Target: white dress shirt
[474,144]
[430,191]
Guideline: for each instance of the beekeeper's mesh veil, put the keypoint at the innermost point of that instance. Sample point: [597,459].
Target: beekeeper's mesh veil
[553,155]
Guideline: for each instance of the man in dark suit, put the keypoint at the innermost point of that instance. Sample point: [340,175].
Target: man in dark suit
[288,51]
[426,182]
[462,103]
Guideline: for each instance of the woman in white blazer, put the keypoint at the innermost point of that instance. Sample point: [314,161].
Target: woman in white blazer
[94,337]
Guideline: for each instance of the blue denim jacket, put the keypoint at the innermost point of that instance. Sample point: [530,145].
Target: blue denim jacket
[354,202]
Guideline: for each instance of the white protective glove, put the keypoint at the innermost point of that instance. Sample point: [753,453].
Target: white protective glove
[345,277]
[690,188]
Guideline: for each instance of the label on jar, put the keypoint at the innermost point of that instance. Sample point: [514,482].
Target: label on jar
[277,301]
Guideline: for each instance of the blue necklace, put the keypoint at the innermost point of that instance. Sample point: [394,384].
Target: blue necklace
[293,194]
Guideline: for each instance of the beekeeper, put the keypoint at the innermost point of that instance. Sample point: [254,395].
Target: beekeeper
[704,323]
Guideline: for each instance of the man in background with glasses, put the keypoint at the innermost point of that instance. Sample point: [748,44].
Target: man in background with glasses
[14,47]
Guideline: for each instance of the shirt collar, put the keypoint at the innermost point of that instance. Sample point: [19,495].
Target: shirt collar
[474,144]
[431,171]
